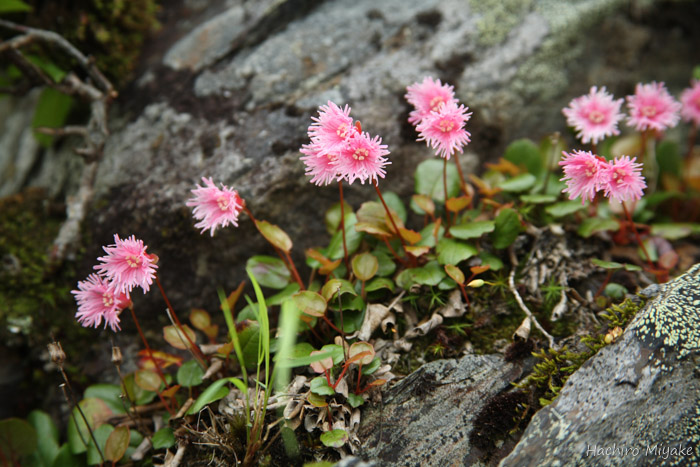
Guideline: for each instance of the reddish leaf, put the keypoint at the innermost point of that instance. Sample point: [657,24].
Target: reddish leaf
[117,443]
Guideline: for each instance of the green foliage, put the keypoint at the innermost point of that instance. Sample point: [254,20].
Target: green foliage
[429,180]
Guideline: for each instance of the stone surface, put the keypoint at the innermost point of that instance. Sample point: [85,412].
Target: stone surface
[227,90]
[637,402]
[427,418]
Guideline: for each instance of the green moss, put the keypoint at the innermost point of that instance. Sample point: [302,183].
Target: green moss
[31,291]
[497,18]
[557,365]
[112,31]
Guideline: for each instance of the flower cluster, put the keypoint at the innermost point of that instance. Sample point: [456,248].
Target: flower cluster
[690,99]
[340,150]
[106,294]
[585,174]
[438,116]
[596,115]
[214,207]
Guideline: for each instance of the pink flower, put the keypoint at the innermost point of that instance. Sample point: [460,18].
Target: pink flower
[623,179]
[444,129]
[427,97]
[690,98]
[652,107]
[331,128]
[127,265]
[96,300]
[320,165]
[583,174]
[214,206]
[594,115]
[362,158]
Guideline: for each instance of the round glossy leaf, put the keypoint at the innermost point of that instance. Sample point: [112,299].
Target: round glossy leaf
[332,218]
[365,266]
[334,439]
[117,444]
[454,252]
[200,319]
[455,273]
[17,438]
[110,394]
[47,435]
[319,385]
[355,400]
[96,411]
[361,348]
[175,336]
[163,438]
[518,183]
[372,219]
[269,272]
[525,152]
[101,434]
[276,236]
[429,179]
[333,287]
[320,366]
[147,379]
[316,400]
[457,204]
[379,283]
[538,199]
[472,229]
[492,261]
[564,208]
[592,225]
[506,229]
[190,374]
[353,239]
[424,203]
[311,303]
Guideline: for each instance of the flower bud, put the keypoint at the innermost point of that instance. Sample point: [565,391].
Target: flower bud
[116,355]
[58,356]
[476,283]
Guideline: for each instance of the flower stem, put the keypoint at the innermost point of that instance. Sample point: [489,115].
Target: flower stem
[153,359]
[293,269]
[462,183]
[342,224]
[388,213]
[636,234]
[197,352]
[691,140]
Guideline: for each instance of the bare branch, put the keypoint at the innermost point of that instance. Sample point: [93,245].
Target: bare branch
[521,304]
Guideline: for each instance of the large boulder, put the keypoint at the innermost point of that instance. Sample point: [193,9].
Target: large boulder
[637,402]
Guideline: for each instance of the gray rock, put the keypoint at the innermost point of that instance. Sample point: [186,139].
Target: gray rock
[637,402]
[249,76]
[427,418]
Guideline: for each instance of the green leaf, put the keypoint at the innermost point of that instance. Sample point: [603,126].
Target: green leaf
[135,393]
[47,435]
[430,274]
[564,208]
[295,362]
[335,287]
[216,390]
[275,235]
[372,367]
[163,438]
[270,272]
[311,303]
[355,400]
[492,261]
[353,238]
[506,229]
[395,204]
[606,264]
[591,225]
[429,180]
[47,66]
[190,374]
[101,434]
[674,231]
[320,386]
[379,283]
[336,352]
[615,291]
[51,111]
[386,263]
[538,199]
[334,439]
[14,6]
[66,458]
[427,237]
[365,266]
[472,229]
[455,273]
[669,158]
[249,339]
[332,217]
[18,438]
[518,183]
[117,444]
[179,338]
[111,394]
[96,411]
[525,152]
[454,252]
